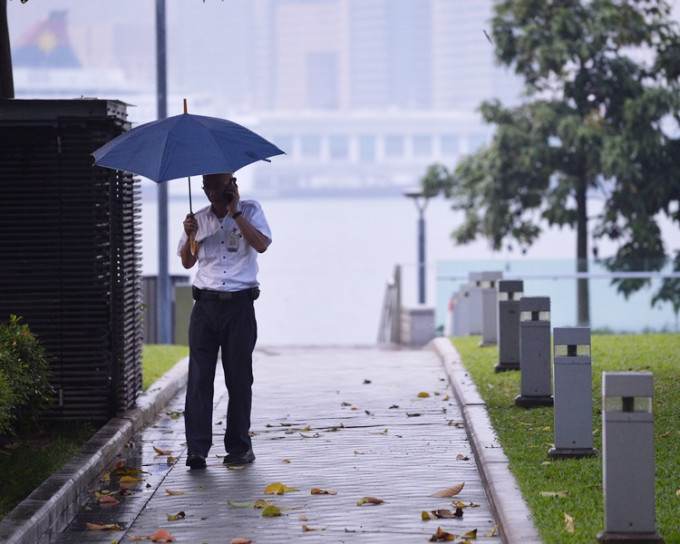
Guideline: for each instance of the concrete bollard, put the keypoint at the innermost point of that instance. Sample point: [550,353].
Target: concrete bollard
[461,311]
[573,414]
[628,458]
[534,346]
[474,308]
[489,285]
[509,295]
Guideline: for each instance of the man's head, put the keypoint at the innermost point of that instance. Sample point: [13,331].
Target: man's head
[218,181]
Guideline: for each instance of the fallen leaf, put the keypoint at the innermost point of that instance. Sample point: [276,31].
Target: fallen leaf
[423,395]
[171,492]
[449,492]
[261,503]
[425,516]
[302,517]
[446,398]
[286,461]
[381,432]
[315,435]
[369,500]
[665,435]
[121,469]
[240,540]
[236,467]
[306,528]
[162,535]
[103,527]
[366,382]
[493,531]
[271,511]
[177,516]
[107,499]
[129,480]
[461,457]
[555,494]
[569,522]
[162,452]
[277,488]
[470,534]
[443,513]
[317,491]
[442,536]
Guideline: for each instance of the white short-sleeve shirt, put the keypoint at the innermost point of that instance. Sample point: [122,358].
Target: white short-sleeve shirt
[226,262]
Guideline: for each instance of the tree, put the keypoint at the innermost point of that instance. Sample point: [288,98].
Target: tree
[600,117]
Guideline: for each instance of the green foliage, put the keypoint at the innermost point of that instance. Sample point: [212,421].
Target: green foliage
[600,117]
[527,435]
[24,366]
[6,403]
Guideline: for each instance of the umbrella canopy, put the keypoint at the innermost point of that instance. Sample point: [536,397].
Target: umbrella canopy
[184,145]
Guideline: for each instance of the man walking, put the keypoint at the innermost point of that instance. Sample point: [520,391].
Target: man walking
[224,238]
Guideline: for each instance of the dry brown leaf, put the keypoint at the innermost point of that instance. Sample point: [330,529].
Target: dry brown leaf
[555,494]
[103,527]
[287,461]
[449,492]
[162,452]
[107,499]
[177,516]
[569,522]
[171,492]
[306,528]
[369,500]
[317,491]
[442,536]
[240,540]
[461,457]
[302,517]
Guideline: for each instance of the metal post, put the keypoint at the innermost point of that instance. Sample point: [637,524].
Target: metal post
[421,256]
[163,293]
[420,200]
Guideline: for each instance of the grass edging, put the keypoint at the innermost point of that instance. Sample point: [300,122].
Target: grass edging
[566,495]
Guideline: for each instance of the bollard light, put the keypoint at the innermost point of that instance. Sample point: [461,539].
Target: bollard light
[509,295]
[628,458]
[573,393]
[489,285]
[534,350]
[474,314]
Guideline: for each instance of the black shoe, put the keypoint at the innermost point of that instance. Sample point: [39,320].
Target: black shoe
[239,458]
[196,460]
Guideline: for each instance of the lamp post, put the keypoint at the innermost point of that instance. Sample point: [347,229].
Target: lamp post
[420,199]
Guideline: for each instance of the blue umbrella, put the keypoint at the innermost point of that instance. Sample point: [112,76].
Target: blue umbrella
[184,145]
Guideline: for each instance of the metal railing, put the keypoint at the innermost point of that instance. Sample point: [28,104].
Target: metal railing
[389,331]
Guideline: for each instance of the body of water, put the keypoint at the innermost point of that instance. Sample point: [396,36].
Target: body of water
[323,279]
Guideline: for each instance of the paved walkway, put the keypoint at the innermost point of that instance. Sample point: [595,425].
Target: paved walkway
[355,422]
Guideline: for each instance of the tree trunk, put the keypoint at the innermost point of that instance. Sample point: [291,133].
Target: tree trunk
[583,295]
[6,76]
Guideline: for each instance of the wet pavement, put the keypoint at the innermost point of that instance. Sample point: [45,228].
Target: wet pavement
[350,422]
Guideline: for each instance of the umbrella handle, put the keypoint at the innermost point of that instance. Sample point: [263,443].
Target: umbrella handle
[193,244]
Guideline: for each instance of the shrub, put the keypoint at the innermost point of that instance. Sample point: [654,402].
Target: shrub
[6,403]
[24,366]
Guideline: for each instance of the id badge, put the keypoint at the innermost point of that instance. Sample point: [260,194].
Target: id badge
[233,240]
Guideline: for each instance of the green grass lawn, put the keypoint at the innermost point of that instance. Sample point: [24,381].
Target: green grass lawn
[527,434]
[28,460]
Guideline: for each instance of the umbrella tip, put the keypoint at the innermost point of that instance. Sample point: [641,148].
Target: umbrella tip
[185,105]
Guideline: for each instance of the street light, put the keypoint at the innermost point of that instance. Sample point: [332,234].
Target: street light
[420,199]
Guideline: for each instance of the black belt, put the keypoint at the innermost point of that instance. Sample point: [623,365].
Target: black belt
[207,294]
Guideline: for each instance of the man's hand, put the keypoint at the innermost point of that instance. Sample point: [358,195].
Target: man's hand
[190,225]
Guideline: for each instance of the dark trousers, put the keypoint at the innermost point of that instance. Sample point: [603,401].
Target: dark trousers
[231,326]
